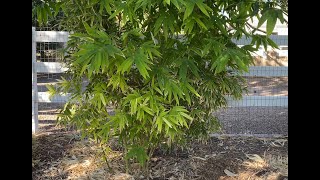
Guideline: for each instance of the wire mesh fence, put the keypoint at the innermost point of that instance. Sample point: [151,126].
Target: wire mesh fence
[263,110]
[48,55]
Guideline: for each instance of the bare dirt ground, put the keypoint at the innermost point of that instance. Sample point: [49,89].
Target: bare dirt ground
[272,59]
[60,154]
[267,86]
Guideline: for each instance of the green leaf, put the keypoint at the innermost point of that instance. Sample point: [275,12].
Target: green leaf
[112,50]
[102,99]
[167,122]
[265,43]
[89,30]
[141,60]
[175,2]
[220,63]
[186,116]
[193,68]
[104,61]
[159,123]
[272,43]
[203,8]
[147,110]
[189,26]
[104,35]
[90,70]
[189,9]
[97,61]
[199,22]
[114,14]
[126,65]
[192,89]
[271,23]
[183,71]
[158,24]
[263,18]
[280,16]
[139,153]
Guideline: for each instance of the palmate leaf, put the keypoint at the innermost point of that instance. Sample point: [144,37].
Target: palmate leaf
[220,63]
[178,115]
[119,120]
[240,58]
[126,65]
[151,49]
[270,15]
[116,81]
[134,100]
[142,62]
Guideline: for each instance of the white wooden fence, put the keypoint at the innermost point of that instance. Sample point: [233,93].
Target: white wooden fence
[55,67]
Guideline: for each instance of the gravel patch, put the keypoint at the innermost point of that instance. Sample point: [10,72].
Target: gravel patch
[254,120]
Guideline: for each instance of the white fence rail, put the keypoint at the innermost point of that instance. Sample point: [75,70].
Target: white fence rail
[52,36]
[50,67]
[55,67]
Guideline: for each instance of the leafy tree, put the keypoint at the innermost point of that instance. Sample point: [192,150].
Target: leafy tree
[46,13]
[163,65]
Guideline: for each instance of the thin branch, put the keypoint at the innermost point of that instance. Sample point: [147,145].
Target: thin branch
[257,28]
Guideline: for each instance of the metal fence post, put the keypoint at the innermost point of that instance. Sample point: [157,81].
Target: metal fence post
[34,84]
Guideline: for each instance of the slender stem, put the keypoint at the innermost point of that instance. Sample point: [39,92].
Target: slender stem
[125,153]
[148,161]
[108,165]
[256,28]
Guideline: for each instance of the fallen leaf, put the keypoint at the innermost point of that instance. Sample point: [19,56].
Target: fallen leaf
[210,156]
[278,143]
[203,159]
[231,174]
[255,157]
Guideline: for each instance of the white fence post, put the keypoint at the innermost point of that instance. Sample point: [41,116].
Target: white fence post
[34,84]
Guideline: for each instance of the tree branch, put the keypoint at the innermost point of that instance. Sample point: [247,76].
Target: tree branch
[258,29]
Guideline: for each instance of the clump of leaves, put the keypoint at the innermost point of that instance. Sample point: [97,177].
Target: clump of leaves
[163,65]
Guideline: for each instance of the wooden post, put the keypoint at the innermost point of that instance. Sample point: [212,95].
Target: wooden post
[34,84]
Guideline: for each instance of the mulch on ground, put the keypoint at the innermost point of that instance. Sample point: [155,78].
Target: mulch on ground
[61,154]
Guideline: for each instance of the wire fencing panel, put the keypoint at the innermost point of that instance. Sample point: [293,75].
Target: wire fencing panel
[49,55]
[263,110]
